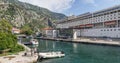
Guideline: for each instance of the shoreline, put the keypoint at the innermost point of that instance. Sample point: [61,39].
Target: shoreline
[87,41]
[19,58]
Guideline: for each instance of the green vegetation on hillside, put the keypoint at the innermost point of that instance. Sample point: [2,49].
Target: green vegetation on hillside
[10,11]
[19,14]
[26,30]
[8,41]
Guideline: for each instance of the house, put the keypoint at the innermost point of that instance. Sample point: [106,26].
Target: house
[15,31]
[50,32]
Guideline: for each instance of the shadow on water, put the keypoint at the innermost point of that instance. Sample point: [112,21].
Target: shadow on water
[80,53]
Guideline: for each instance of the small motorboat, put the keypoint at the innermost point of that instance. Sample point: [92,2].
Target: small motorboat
[48,55]
[34,41]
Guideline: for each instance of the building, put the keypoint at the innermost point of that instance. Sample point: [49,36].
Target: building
[50,32]
[103,23]
[15,31]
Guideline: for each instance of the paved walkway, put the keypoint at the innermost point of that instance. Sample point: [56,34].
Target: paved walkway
[104,41]
[19,58]
[98,41]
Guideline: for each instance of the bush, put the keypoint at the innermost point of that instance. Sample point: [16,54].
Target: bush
[7,39]
[18,48]
[26,30]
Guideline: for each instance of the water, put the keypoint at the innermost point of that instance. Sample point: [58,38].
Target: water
[80,53]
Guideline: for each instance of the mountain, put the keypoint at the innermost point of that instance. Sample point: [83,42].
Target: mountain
[20,14]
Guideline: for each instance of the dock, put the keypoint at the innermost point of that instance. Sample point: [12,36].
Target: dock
[86,41]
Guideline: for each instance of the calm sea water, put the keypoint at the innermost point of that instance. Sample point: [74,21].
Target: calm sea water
[80,53]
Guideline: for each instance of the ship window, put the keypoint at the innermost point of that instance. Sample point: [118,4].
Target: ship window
[107,29]
[111,29]
[111,12]
[114,29]
[101,30]
[104,30]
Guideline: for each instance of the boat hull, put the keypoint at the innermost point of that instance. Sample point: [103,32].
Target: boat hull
[51,55]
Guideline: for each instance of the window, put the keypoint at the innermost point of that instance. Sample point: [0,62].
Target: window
[111,29]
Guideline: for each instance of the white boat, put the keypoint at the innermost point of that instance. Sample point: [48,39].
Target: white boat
[34,41]
[48,55]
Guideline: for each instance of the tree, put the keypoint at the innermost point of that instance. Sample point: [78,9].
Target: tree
[5,26]
[26,30]
[7,39]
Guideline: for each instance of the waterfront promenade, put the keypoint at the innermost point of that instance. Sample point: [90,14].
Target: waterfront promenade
[98,41]
[19,58]
[111,42]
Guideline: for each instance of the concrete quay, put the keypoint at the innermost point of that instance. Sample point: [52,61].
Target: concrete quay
[107,42]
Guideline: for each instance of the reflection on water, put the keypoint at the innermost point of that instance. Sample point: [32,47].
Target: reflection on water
[81,53]
[53,45]
[46,44]
[75,47]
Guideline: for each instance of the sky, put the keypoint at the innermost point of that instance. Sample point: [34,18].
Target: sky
[74,7]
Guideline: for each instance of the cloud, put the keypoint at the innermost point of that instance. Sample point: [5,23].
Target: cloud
[92,2]
[89,1]
[110,0]
[53,5]
[113,1]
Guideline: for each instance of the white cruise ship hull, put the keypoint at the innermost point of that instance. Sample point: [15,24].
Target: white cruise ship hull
[101,32]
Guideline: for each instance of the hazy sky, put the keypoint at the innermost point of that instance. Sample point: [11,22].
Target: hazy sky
[76,7]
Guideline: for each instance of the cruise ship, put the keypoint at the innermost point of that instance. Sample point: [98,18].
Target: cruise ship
[103,23]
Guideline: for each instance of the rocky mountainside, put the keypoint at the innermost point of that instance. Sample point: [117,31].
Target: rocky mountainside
[20,14]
